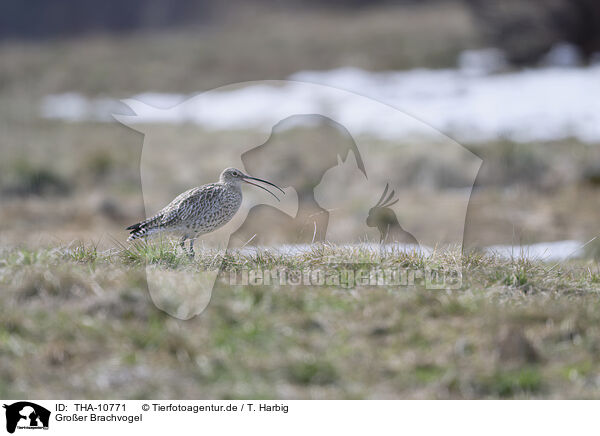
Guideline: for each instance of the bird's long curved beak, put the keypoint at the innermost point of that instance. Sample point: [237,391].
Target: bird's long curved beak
[245,179]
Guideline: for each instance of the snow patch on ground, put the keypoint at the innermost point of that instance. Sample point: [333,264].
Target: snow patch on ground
[541,104]
[544,251]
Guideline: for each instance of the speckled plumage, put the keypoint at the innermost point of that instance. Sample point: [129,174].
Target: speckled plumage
[198,210]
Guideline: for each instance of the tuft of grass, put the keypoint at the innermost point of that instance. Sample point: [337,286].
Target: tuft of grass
[516,278]
[503,384]
[165,253]
[313,372]
[82,253]
[428,373]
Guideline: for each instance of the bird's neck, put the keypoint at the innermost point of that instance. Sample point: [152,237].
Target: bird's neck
[235,186]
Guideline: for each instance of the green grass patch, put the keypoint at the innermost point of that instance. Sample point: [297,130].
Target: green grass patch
[510,383]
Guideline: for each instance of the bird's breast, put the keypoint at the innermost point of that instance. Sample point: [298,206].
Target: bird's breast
[217,211]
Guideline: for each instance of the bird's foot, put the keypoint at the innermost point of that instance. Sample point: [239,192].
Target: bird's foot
[191,253]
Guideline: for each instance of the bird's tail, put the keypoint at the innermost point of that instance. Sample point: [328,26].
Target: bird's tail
[143,228]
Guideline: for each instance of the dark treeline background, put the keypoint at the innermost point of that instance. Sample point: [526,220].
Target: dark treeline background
[43,18]
[524,29]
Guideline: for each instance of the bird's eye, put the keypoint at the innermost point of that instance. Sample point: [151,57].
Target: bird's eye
[235,173]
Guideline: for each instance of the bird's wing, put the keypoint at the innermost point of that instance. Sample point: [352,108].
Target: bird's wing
[190,203]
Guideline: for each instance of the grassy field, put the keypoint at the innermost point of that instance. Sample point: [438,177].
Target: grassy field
[78,320]
[76,315]
[78,323]
[61,182]
[247,45]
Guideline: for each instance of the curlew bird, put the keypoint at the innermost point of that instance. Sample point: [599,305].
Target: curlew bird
[199,210]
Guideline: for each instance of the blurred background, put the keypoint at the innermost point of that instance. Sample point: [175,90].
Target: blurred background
[517,83]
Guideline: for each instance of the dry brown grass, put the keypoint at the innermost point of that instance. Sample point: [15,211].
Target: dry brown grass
[526,193]
[79,323]
[249,45]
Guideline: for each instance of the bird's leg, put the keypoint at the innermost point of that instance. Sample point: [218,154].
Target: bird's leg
[182,242]
[192,254]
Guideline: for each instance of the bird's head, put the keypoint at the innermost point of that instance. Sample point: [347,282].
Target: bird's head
[235,176]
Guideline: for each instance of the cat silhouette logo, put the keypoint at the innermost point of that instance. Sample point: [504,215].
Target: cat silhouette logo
[26,415]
